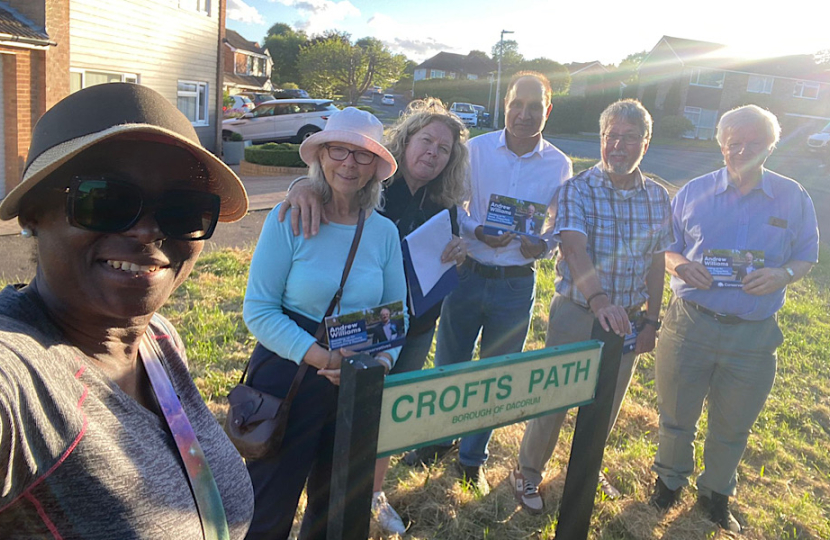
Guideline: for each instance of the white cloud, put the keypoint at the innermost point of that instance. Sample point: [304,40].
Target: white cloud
[238,10]
[320,15]
[404,39]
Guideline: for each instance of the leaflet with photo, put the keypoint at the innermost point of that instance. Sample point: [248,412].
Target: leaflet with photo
[369,330]
[506,214]
[730,266]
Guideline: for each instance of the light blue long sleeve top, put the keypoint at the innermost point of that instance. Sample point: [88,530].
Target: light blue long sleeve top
[302,275]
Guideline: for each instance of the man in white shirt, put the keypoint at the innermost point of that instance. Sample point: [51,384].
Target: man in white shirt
[497,282]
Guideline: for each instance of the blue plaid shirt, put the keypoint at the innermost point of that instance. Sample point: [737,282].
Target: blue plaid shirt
[625,228]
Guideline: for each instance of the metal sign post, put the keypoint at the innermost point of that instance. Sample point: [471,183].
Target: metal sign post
[588,445]
[355,440]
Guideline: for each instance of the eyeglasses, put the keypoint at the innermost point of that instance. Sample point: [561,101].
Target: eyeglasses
[111,206]
[629,138]
[341,153]
[751,147]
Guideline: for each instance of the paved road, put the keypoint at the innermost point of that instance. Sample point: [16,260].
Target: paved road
[675,165]
[678,166]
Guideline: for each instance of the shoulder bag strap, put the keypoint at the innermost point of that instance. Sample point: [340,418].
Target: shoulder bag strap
[202,483]
[321,329]
[320,334]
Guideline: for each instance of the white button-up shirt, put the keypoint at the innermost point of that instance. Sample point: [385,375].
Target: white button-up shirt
[495,169]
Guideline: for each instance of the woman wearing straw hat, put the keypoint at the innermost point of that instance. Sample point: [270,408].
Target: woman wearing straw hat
[291,283]
[102,432]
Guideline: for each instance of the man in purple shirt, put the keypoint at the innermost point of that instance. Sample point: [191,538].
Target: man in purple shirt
[721,341]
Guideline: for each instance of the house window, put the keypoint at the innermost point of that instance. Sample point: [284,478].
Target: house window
[706,77]
[202,6]
[759,85]
[806,90]
[81,78]
[436,74]
[704,121]
[192,101]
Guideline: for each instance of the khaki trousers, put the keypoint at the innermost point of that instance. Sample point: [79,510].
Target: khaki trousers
[731,364]
[568,323]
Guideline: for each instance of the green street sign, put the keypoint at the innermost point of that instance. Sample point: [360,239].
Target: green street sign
[425,407]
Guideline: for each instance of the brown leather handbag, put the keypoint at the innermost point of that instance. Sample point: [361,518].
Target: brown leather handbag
[256,420]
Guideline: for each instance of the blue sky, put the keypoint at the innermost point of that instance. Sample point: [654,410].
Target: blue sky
[575,31]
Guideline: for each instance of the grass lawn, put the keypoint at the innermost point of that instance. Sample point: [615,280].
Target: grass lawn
[784,487]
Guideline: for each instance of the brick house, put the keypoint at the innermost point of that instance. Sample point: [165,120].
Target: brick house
[50,48]
[31,76]
[247,66]
[446,65]
[701,81]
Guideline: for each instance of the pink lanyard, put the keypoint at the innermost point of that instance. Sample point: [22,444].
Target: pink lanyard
[203,485]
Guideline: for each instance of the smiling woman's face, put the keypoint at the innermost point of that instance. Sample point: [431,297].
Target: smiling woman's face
[102,278]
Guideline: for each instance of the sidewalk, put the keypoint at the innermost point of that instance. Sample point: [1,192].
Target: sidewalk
[263,193]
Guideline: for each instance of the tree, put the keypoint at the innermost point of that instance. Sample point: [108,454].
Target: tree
[628,67]
[511,58]
[283,43]
[822,57]
[560,79]
[479,54]
[330,64]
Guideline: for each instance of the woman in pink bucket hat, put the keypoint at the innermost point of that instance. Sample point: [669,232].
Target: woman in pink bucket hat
[291,283]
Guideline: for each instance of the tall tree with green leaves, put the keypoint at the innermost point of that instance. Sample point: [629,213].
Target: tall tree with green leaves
[511,58]
[334,65]
[283,43]
[557,74]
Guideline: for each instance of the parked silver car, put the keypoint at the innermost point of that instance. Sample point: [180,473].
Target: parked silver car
[820,142]
[281,119]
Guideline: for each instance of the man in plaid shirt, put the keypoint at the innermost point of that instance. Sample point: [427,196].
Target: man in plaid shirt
[613,225]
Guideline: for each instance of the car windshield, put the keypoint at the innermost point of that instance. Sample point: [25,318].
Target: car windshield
[463,107]
[826,129]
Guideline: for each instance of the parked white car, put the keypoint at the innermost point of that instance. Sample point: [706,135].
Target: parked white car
[387,99]
[240,106]
[820,142]
[281,119]
[466,113]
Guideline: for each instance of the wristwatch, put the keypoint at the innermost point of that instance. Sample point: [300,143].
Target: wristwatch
[790,272]
[656,324]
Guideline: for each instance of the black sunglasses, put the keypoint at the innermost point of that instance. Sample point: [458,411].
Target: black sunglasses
[111,206]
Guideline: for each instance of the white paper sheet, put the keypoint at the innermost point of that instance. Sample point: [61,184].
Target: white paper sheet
[426,244]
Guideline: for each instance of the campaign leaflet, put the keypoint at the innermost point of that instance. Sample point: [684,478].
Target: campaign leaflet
[730,266]
[506,214]
[368,330]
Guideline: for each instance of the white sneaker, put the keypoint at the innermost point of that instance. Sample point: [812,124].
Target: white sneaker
[387,519]
[526,492]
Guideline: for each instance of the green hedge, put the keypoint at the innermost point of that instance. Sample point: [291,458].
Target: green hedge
[275,155]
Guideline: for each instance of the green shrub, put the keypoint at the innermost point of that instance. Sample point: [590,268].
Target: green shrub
[672,127]
[368,109]
[275,155]
[236,137]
